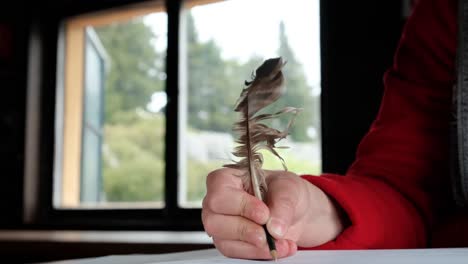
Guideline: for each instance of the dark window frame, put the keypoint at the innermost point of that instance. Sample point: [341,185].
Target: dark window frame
[377,28]
[42,213]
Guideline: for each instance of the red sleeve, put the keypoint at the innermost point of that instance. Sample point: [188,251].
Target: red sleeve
[391,190]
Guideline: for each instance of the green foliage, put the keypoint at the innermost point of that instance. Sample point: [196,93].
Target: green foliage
[133,166]
[136,69]
[135,180]
[208,79]
[296,164]
[298,92]
[134,163]
[220,80]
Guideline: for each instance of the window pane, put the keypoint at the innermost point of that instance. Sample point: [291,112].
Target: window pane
[94,80]
[91,180]
[121,145]
[222,43]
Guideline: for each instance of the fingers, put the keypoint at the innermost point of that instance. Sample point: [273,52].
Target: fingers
[230,213]
[227,227]
[239,249]
[230,200]
[234,218]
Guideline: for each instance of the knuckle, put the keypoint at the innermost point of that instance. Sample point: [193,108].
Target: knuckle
[211,175]
[215,174]
[210,202]
[205,202]
[209,225]
[216,179]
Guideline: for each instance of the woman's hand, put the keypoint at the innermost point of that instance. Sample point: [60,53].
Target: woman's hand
[296,213]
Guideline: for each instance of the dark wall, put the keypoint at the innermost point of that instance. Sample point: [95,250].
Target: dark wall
[13,53]
[358,41]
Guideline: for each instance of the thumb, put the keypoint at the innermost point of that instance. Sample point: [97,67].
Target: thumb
[282,198]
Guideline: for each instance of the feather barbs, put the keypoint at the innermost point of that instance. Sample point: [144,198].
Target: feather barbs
[266,87]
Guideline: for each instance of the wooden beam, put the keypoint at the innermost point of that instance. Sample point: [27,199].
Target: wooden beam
[117,15]
[73,117]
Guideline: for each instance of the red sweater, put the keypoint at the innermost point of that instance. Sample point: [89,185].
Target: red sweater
[396,192]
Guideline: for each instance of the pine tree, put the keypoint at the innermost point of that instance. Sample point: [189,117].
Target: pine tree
[210,88]
[298,92]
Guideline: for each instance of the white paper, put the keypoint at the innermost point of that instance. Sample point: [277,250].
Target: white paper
[426,256]
[212,256]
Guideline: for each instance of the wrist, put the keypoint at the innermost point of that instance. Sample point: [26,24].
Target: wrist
[325,219]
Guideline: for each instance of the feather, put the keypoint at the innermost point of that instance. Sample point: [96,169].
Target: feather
[266,87]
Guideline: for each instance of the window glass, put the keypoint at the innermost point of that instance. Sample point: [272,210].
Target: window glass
[121,120]
[112,132]
[221,44]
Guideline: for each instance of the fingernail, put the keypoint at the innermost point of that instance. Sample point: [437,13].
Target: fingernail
[277,227]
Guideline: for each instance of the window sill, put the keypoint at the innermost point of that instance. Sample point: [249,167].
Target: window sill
[128,237]
[41,245]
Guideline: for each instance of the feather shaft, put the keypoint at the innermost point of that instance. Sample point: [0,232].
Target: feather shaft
[252,171]
[266,87]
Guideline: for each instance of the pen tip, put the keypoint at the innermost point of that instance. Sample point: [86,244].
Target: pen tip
[274,254]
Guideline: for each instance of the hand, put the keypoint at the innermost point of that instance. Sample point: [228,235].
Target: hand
[296,212]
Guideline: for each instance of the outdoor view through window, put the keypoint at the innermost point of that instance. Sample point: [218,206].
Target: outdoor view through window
[221,43]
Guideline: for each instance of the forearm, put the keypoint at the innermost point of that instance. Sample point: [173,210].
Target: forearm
[392,190]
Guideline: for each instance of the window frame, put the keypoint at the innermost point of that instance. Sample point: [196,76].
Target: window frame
[71,127]
[39,211]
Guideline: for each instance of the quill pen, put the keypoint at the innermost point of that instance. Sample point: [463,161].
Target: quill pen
[266,87]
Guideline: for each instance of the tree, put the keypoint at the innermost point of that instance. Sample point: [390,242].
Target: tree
[298,92]
[211,86]
[133,158]
[215,84]
[133,169]
[136,69]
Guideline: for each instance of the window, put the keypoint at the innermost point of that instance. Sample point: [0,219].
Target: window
[221,44]
[114,146]
[144,103]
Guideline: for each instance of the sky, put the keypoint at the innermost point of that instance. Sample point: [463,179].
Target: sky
[243,28]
